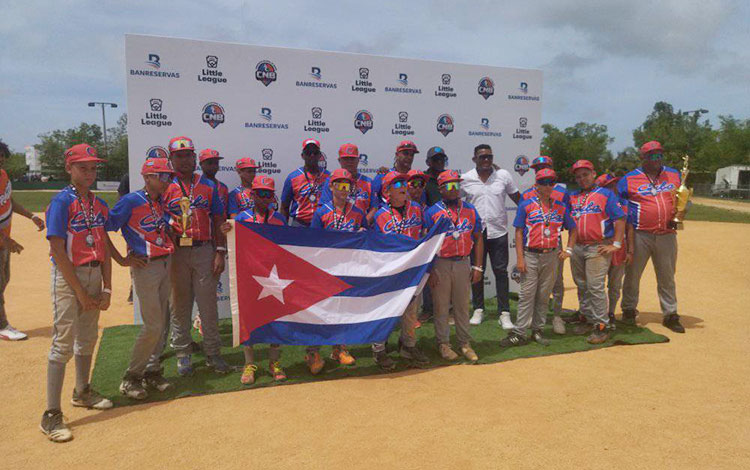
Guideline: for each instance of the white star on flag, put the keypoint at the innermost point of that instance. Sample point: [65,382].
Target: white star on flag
[272,285]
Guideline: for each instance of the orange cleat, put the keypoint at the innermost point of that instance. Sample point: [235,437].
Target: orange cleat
[314,362]
[341,355]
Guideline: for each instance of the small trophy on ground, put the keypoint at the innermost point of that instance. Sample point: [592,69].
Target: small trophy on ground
[185,218]
[682,197]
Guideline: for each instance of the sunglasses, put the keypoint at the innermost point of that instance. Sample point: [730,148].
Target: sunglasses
[181,144]
[485,157]
[451,185]
[654,156]
[398,184]
[417,183]
[264,193]
[163,177]
[546,182]
[342,185]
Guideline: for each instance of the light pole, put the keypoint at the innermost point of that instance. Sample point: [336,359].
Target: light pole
[104,119]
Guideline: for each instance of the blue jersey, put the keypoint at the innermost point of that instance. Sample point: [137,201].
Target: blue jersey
[143,225]
[272,218]
[351,220]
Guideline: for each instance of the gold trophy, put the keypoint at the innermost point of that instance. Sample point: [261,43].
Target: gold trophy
[185,208]
[682,197]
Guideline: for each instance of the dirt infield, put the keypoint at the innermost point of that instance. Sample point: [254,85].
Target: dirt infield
[683,404]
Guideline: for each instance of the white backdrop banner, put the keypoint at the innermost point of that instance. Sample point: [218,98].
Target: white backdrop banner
[261,102]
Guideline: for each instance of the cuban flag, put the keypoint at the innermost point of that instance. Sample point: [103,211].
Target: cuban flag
[301,286]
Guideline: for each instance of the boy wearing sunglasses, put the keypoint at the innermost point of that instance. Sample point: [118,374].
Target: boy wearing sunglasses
[539,220]
[361,194]
[402,162]
[262,212]
[340,214]
[240,198]
[141,218]
[303,187]
[400,216]
[648,190]
[452,274]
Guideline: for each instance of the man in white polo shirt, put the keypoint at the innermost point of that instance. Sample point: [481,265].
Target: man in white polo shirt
[486,188]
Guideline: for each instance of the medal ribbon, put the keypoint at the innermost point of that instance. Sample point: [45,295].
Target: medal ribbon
[89,218]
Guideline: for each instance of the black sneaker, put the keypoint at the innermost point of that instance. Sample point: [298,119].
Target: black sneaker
[414,354]
[384,361]
[612,326]
[132,387]
[577,317]
[673,323]
[54,428]
[156,381]
[628,316]
[218,364]
[536,335]
[513,339]
[582,328]
[599,335]
[91,399]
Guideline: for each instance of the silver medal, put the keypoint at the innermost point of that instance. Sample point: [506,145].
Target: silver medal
[159,241]
[312,198]
[90,240]
[653,191]
[455,235]
[547,232]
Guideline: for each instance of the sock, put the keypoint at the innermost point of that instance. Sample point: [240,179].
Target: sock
[55,378]
[274,353]
[83,367]
[248,352]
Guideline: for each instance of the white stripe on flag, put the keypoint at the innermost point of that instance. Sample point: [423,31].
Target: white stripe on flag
[365,263]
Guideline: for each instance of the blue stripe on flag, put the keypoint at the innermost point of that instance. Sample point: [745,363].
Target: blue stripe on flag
[281,332]
[370,240]
[369,286]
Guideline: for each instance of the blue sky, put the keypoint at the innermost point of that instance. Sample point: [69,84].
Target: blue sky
[603,61]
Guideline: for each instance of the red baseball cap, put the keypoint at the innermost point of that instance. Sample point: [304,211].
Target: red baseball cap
[606,179]
[264,182]
[349,150]
[447,176]
[246,163]
[546,173]
[340,174]
[407,145]
[651,146]
[391,177]
[208,154]
[157,165]
[541,160]
[82,153]
[181,143]
[307,142]
[582,164]
[417,174]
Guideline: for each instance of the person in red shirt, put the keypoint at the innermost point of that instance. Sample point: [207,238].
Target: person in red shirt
[649,192]
[621,257]
[400,217]
[303,187]
[141,218]
[261,212]
[452,274]
[81,286]
[601,228]
[539,220]
[241,198]
[198,260]
[209,163]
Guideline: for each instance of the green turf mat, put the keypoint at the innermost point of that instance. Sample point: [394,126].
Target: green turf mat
[116,344]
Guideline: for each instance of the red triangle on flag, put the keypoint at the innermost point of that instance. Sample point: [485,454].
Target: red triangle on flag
[273,283]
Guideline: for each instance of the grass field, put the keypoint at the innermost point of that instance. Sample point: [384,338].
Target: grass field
[37,201]
[715,214]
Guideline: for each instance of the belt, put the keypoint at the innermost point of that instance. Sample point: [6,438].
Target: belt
[453,258]
[90,264]
[196,243]
[605,241]
[539,250]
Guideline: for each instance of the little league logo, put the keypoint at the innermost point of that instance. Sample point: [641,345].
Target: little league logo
[265,72]
[363,121]
[446,78]
[157,152]
[522,122]
[486,87]
[317,113]
[364,73]
[403,116]
[445,124]
[212,61]
[267,154]
[522,165]
[155,104]
[213,114]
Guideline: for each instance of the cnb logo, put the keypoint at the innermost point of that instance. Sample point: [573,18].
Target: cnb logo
[157,152]
[486,87]
[364,73]
[446,79]
[403,116]
[213,114]
[363,121]
[485,123]
[317,113]
[363,159]
[153,61]
[445,124]
[265,113]
[403,79]
[315,73]
[267,154]
[522,122]
[524,87]
[155,104]
[522,165]
[212,61]
[265,72]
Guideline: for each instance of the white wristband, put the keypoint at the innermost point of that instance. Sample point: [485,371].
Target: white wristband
[221,248]
[617,244]
[569,250]
[107,291]
[477,268]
